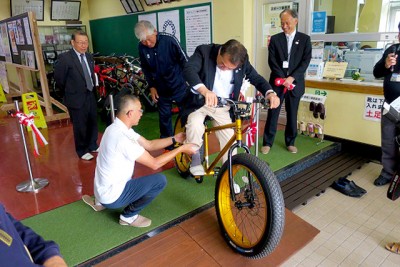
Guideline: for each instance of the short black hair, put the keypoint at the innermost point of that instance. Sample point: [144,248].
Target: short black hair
[236,51]
[123,102]
[78,32]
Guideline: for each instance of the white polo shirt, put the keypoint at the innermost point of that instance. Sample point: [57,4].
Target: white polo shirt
[115,165]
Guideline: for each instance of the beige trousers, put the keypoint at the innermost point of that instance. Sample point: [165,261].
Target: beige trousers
[195,126]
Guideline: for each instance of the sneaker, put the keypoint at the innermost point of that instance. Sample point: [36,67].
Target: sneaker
[139,222]
[292,149]
[87,156]
[265,150]
[197,170]
[91,202]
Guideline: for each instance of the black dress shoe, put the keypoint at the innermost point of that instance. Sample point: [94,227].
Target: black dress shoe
[353,184]
[346,189]
[381,181]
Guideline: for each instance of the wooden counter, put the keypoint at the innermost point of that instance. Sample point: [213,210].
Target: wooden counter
[369,88]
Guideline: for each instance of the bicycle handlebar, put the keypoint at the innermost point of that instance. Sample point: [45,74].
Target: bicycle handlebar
[242,107]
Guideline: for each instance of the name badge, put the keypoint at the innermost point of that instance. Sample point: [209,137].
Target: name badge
[285,64]
[395,77]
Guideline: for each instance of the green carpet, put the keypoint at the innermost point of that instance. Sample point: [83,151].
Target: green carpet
[83,234]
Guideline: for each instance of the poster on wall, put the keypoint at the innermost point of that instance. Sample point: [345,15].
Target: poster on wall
[272,23]
[12,32]
[318,22]
[169,22]
[372,107]
[5,44]
[152,17]
[27,31]
[197,27]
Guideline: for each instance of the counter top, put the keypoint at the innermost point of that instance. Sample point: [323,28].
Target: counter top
[347,85]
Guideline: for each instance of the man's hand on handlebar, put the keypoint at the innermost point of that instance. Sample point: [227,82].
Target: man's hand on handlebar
[209,96]
[273,99]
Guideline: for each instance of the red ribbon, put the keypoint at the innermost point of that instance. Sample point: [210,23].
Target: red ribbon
[28,120]
[280,81]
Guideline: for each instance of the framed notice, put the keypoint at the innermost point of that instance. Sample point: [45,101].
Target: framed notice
[152,2]
[22,6]
[65,10]
[132,6]
[335,70]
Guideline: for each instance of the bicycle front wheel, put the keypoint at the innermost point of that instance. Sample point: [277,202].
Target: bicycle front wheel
[182,160]
[252,225]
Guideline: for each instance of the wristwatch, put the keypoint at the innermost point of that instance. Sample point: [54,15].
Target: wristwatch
[173,141]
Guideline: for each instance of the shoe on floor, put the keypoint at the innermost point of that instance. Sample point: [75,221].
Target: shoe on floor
[91,202]
[292,149]
[139,222]
[197,170]
[380,181]
[393,247]
[265,150]
[87,156]
[346,189]
[353,184]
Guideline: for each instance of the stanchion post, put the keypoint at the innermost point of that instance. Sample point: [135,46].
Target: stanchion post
[34,184]
[257,121]
[112,107]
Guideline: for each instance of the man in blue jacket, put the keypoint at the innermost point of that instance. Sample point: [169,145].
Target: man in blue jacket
[162,60]
[21,246]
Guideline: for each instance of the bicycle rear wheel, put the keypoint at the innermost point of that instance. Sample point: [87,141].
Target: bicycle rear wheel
[253,224]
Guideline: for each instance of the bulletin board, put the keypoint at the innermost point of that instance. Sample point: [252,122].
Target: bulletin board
[193,25]
[22,6]
[17,43]
[20,48]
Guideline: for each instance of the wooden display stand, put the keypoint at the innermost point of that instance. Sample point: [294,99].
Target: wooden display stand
[45,100]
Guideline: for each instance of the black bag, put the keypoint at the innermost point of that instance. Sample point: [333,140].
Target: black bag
[393,192]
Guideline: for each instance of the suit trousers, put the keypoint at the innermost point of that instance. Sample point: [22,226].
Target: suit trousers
[195,126]
[271,125]
[165,115]
[390,149]
[84,122]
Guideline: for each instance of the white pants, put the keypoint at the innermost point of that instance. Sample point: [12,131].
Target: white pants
[195,126]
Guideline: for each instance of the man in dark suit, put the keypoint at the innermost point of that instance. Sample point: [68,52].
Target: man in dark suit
[217,71]
[289,56]
[74,74]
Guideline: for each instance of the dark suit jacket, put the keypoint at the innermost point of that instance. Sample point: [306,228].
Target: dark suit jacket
[69,76]
[300,56]
[201,68]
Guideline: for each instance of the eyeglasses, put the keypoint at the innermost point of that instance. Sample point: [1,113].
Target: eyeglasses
[82,43]
[140,110]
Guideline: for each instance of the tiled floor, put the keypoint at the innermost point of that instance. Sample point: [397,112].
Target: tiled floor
[354,231]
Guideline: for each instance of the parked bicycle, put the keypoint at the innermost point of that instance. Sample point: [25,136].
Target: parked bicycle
[248,198]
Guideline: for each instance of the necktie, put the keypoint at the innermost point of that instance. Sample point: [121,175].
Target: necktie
[89,83]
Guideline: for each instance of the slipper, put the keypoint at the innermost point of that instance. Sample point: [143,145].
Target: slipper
[310,129]
[393,247]
[320,108]
[312,106]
